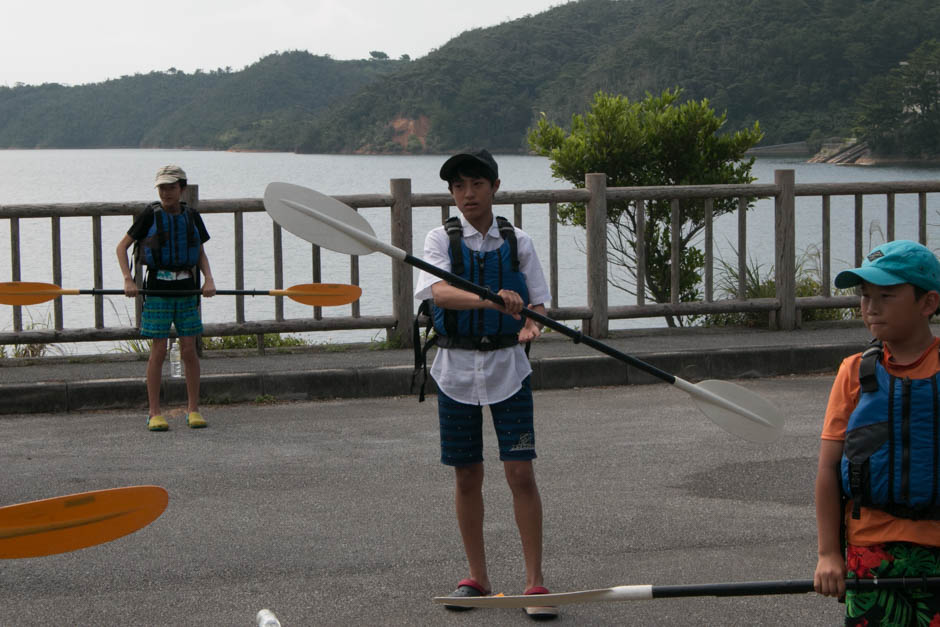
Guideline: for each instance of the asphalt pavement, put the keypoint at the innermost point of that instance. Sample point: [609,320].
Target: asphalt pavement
[64,384]
[338,512]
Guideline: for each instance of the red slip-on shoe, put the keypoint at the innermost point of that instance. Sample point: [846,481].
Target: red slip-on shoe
[467,588]
[540,612]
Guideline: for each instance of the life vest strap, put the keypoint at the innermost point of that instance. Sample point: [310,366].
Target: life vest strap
[478,342]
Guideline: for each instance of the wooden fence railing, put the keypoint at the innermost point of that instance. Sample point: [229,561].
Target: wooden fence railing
[594,315]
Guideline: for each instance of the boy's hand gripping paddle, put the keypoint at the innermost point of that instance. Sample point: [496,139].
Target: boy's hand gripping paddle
[327,222]
[77,521]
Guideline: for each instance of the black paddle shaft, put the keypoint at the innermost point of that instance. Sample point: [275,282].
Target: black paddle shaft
[760,588]
[146,292]
[578,337]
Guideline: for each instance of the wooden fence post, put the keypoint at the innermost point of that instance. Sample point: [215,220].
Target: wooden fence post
[595,219]
[403,303]
[190,196]
[238,230]
[57,269]
[785,248]
[97,270]
[641,251]
[675,258]
[15,269]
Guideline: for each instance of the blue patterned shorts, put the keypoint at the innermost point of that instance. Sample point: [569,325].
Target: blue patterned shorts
[159,313]
[462,428]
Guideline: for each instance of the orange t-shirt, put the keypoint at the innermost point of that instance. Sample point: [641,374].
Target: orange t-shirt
[875,526]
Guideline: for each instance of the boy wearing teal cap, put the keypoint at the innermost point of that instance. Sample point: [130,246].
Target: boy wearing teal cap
[878,479]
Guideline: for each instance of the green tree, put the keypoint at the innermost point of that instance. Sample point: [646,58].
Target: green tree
[920,83]
[899,112]
[654,141]
[879,115]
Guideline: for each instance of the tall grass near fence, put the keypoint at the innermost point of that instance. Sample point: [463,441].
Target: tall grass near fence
[759,283]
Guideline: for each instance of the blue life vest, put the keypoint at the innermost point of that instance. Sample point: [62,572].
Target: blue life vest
[472,329]
[482,329]
[891,455]
[172,243]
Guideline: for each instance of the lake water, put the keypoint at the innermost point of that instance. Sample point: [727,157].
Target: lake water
[57,176]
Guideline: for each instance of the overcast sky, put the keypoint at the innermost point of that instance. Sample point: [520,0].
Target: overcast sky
[63,41]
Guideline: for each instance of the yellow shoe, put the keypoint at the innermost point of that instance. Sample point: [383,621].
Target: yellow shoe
[195,420]
[157,423]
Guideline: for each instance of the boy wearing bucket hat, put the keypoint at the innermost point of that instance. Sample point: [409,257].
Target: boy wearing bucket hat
[171,237]
[481,361]
[877,482]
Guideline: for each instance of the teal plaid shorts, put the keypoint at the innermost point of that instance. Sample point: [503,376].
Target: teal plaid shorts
[160,312]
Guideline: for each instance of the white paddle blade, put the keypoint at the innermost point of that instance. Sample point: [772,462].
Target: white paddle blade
[307,226]
[737,410]
[618,593]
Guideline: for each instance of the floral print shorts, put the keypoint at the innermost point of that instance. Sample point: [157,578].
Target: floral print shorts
[898,606]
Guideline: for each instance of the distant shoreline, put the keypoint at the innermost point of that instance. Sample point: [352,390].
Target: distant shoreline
[760,152]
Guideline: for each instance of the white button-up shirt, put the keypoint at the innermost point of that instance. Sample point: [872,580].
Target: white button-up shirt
[481,377]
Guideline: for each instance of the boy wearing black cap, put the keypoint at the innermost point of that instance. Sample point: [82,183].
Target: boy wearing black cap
[881,444]
[171,237]
[481,361]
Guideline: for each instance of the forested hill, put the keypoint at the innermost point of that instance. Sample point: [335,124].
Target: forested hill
[260,107]
[797,66]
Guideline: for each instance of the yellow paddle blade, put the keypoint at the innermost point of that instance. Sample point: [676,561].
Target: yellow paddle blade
[77,521]
[321,294]
[26,293]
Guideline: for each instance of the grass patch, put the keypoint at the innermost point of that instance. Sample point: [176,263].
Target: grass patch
[396,341]
[330,347]
[217,400]
[137,346]
[761,284]
[35,349]
[271,340]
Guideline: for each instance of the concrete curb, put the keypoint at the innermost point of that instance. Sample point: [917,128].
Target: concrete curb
[548,373]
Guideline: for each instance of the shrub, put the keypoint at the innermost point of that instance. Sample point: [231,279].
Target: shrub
[271,340]
[760,285]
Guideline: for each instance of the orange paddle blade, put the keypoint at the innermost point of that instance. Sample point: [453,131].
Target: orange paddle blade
[321,294]
[77,521]
[27,293]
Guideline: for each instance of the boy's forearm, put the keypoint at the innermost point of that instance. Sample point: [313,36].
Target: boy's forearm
[828,521]
[122,261]
[125,268]
[828,500]
[204,266]
[447,296]
[539,309]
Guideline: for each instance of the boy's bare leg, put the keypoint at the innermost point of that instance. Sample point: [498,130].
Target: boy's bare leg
[527,506]
[469,505]
[191,369]
[155,374]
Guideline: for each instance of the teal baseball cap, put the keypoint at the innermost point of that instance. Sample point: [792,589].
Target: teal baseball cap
[893,263]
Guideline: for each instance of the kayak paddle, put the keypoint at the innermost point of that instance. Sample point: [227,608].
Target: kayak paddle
[77,521]
[316,294]
[331,224]
[647,592]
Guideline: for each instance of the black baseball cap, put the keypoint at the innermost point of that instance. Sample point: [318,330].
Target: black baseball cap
[477,157]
